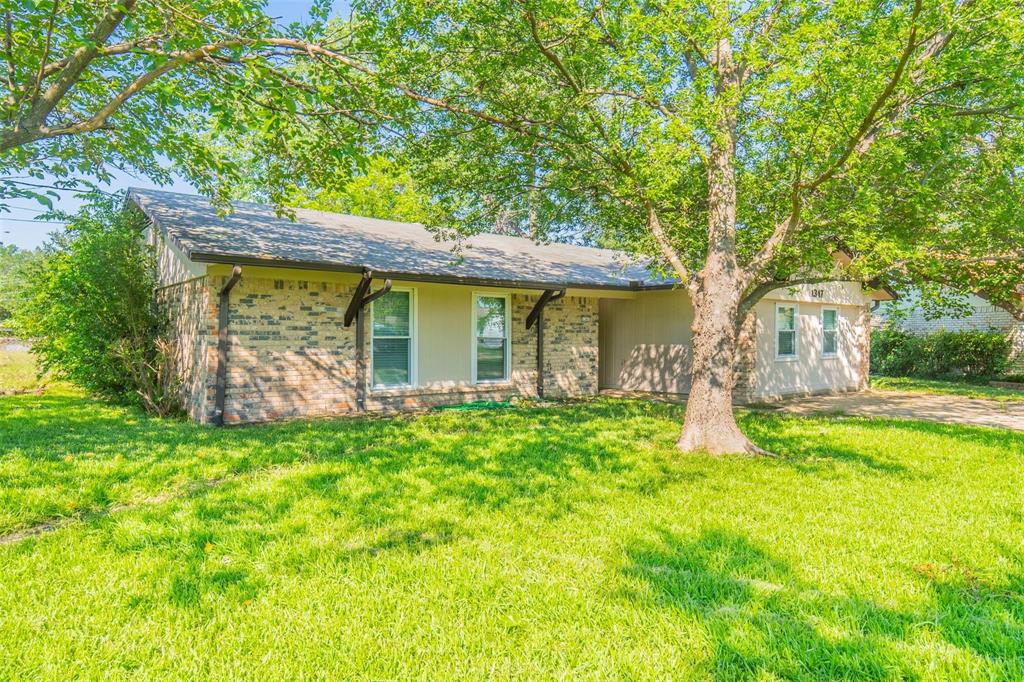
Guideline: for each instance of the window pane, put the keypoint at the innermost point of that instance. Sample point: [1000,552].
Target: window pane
[787,343]
[829,318]
[490,359]
[391,314]
[829,344]
[490,317]
[786,318]
[390,361]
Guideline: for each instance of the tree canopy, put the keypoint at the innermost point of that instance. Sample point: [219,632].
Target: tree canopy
[157,88]
[891,129]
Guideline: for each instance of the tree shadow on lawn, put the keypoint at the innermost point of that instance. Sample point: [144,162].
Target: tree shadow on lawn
[762,620]
[86,457]
[79,457]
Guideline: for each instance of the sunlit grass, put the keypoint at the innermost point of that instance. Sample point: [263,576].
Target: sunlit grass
[18,372]
[568,542]
[935,386]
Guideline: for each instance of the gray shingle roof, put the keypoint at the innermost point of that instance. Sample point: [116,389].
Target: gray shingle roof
[254,234]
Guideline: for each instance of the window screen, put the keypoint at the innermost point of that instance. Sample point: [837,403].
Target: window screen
[829,332]
[785,331]
[392,339]
[491,338]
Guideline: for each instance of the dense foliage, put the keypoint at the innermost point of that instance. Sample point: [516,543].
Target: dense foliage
[382,189]
[93,87]
[972,354]
[91,313]
[14,266]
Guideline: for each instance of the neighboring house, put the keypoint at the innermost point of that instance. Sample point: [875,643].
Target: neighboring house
[268,323]
[982,316]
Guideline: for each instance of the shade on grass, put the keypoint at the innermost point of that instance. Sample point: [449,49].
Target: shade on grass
[568,541]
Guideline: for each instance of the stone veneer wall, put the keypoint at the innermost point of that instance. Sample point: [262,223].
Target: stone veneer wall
[291,355]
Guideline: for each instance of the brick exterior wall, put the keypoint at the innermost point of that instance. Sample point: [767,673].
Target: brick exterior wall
[291,355]
[191,331]
[746,361]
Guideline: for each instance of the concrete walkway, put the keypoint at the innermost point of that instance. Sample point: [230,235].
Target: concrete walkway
[941,408]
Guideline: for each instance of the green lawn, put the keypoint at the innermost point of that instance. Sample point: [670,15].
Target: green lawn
[935,386]
[567,542]
[18,372]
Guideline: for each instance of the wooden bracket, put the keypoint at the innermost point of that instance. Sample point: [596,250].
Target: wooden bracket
[538,308]
[354,312]
[220,391]
[360,299]
[536,316]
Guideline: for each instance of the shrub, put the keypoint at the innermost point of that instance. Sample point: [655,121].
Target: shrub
[91,312]
[971,354]
[14,264]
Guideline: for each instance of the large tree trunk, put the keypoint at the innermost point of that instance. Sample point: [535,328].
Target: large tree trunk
[710,424]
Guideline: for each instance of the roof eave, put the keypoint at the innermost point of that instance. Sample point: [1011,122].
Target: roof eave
[229,259]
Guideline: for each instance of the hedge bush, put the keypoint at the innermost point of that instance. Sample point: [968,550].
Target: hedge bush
[969,354]
[90,310]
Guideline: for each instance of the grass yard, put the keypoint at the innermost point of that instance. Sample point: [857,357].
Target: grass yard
[18,372]
[962,388]
[568,542]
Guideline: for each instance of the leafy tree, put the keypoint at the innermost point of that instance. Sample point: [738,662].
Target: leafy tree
[739,145]
[384,189]
[91,313]
[14,266]
[151,87]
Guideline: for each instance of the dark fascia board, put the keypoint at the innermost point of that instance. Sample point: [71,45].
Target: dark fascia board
[227,259]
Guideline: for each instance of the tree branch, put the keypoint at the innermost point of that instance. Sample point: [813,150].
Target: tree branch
[9,49]
[68,76]
[870,118]
[761,290]
[855,144]
[109,51]
[654,225]
[46,53]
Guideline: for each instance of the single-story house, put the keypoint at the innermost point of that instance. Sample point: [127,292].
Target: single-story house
[330,314]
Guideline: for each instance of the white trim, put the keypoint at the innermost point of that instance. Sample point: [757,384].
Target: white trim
[795,330]
[821,319]
[508,337]
[413,341]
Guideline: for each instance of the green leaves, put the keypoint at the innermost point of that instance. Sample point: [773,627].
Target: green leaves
[89,306]
[568,116]
[111,113]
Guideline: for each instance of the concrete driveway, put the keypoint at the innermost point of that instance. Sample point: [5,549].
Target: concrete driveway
[940,408]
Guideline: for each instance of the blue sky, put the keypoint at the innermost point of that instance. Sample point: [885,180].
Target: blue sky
[19,227]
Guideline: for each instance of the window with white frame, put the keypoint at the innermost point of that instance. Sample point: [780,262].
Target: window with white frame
[490,338]
[829,331]
[393,330]
[785,331]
